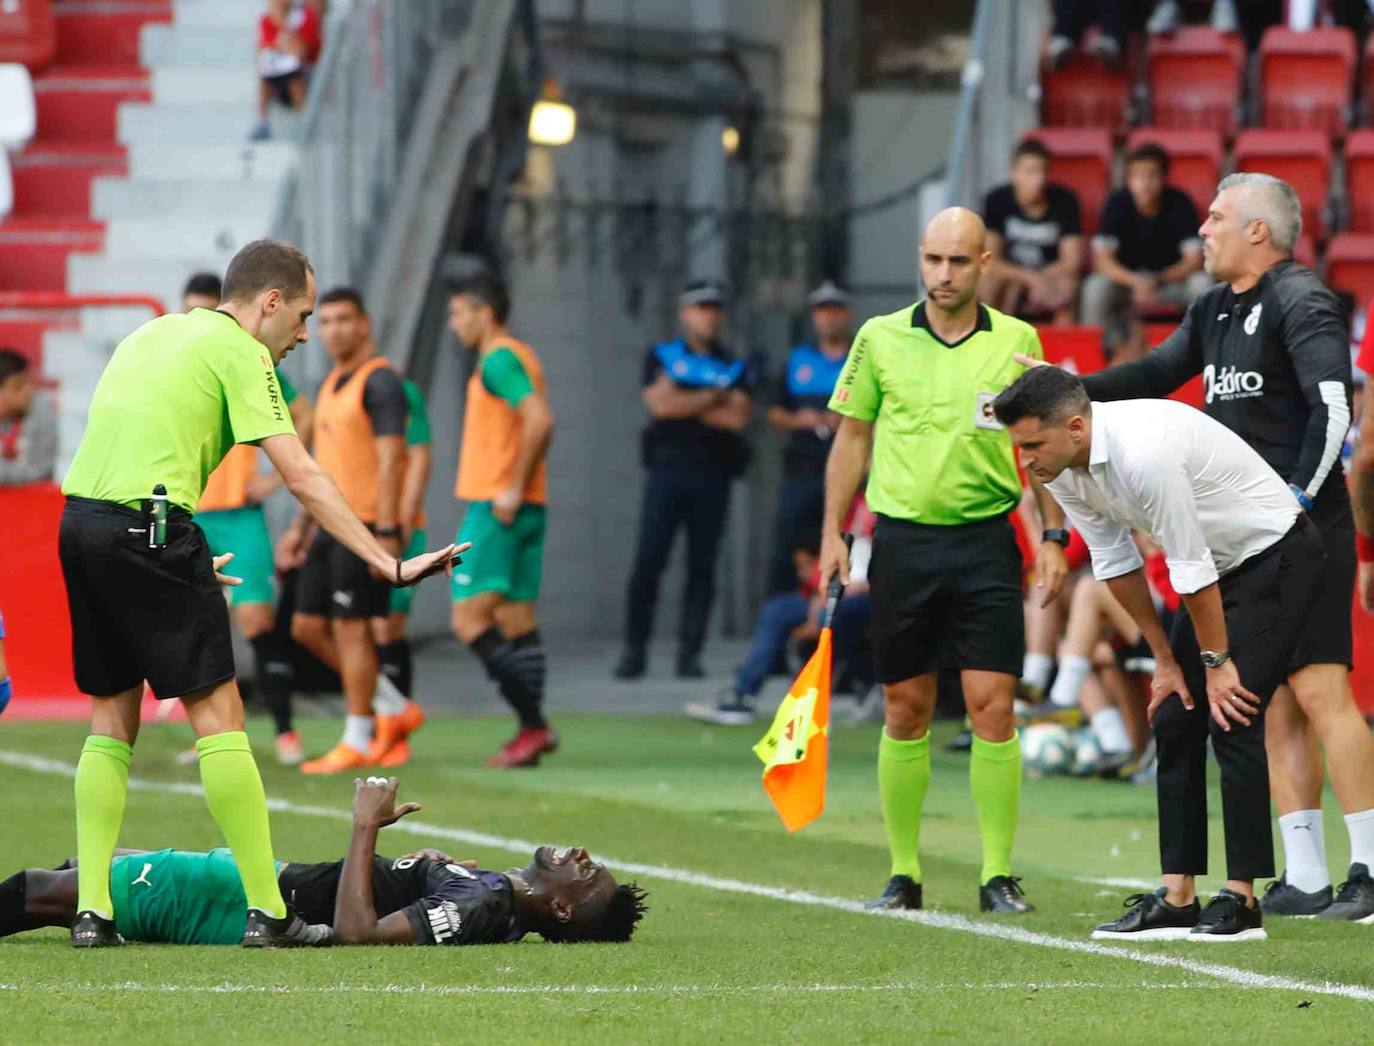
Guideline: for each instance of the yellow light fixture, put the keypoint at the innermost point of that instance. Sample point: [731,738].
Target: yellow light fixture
[552,120]
[729,140]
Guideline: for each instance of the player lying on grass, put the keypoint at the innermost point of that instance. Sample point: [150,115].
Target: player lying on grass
[423,898]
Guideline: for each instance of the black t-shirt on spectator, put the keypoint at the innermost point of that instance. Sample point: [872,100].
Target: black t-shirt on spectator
[1032,243]
[1148,244]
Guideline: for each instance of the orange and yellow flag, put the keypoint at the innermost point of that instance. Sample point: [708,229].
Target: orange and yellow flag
[796,748]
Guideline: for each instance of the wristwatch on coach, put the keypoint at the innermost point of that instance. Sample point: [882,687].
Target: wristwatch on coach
[1215,659]
[1056,534]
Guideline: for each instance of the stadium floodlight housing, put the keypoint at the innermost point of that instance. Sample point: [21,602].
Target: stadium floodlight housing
[552,120]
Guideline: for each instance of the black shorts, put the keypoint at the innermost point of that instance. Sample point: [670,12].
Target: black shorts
[139,613]
[336,583]
[280,86]
[1327,638]
[946,597]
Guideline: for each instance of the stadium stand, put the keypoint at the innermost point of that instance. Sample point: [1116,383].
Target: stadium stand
[1306,79]
[1350,264]
[1084,91]
[1359,180]
[1301,158]
[1195,80]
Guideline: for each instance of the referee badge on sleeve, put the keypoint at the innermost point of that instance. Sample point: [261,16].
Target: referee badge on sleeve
[983,415]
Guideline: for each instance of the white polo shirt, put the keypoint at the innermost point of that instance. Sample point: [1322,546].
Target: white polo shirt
[1199,490]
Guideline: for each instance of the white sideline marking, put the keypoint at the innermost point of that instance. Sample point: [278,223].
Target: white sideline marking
[422,988]
[940,920]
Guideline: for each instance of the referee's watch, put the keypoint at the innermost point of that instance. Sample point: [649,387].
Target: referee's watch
[1058,535]
[1214,658]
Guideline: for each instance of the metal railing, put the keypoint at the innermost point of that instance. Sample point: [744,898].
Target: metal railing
[995,96]
[362,101]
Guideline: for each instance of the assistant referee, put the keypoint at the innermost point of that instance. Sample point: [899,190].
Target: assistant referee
[917,391]
[177,394]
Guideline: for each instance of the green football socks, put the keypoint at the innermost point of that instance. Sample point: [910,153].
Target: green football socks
[102,782]
[234,793]
[903,776]
[995,778]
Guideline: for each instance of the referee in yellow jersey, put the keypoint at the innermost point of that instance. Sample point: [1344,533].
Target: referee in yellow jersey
[916,393]
[141,588]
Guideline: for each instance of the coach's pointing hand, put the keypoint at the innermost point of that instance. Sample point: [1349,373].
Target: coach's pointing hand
[219,563]
[1029,361]
[1167,681]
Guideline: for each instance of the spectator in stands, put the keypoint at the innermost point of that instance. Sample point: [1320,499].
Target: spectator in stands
[28,425]
[288,41]
[1035,238]
[1147,253]
[1071,20]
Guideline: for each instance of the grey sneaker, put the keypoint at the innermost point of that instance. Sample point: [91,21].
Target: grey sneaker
[1057,51]
[1283,898]
[1224,19]
[291,931]
[1354,900]
[729,709]
[1166,18]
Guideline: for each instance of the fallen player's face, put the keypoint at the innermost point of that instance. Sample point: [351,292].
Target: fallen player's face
[554,870]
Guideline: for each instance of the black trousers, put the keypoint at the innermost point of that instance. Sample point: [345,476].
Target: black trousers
[801,507]
[677,494]
[1267,600]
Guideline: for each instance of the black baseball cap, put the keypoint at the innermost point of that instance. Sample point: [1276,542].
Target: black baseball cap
[828,293]
[703,292]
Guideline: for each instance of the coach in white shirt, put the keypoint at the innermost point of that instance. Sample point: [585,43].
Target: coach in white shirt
[1246,561]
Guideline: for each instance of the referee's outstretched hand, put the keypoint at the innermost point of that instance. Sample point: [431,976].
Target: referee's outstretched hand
[422,566]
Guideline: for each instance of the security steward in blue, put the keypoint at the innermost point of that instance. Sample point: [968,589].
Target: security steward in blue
[699,396]
[801,411]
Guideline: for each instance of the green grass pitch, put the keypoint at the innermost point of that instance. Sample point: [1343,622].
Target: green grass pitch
[712,962]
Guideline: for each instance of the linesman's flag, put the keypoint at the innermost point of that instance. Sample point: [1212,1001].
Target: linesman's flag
[796,748]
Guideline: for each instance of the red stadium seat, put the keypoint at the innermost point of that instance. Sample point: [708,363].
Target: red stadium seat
[28,33]
[1301,158]
[1085,92]
[1195,79]
[1195,160]
[1081,159]
[1350,264]
[1076,349]
[1359,180]
[1306,79]
[1305,251]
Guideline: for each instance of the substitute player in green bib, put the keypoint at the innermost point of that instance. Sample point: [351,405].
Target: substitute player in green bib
[141,589]
[916,393]
[393,647]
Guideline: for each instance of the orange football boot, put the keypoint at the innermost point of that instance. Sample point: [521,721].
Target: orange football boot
[342,757]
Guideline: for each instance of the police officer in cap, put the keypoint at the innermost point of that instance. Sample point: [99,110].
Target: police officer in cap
[699,396]
[801,412]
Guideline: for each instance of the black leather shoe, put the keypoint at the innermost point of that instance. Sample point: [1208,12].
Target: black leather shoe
[901,893]
[290,931]
[1355,899]
[1227,918]
[92,931]
[630,666]
[1002,893]
[1151,918]
[1283,898]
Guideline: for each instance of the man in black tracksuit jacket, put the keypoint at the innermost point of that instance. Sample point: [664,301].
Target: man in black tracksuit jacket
[1274,354]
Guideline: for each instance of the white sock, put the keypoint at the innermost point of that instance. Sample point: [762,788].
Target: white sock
[1036,669]
[1073,670]
[386,698]
[1110,731]
[1304,850]
[358,732]
[1361,828]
